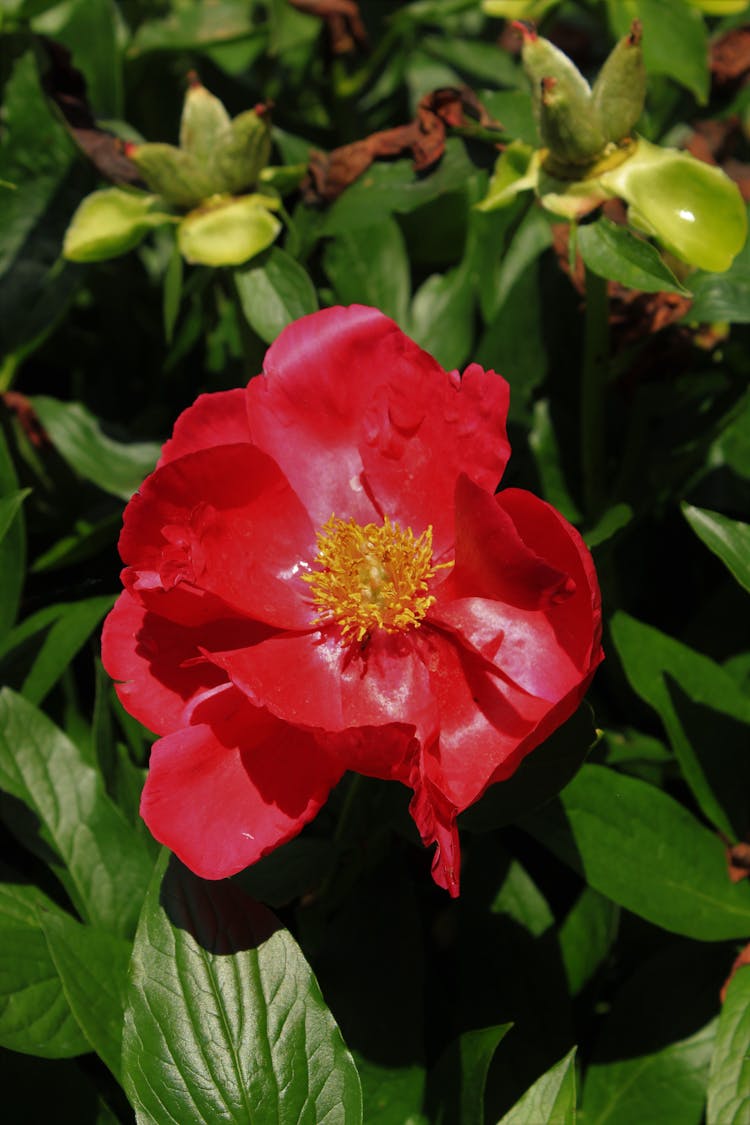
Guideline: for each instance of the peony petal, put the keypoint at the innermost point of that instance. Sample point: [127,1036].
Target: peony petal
[315,681]
[222,794]
[423,429]
[213,419]
[577,620]
[160,665]
[224,522]
[493,561]
[307,409]
[435,819]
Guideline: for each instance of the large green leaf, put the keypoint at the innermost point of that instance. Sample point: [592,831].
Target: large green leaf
[35,1016]
[275,293]
[616,253]
[114,466]
[225,1021]
[105,863]
[586,936]
[552,1098]
[371,267]
[674,39]
[639,847]
[442,316]
[93,966]
[650,1061]
[455,1092]
[729,539]
[704,713]
[729,1077]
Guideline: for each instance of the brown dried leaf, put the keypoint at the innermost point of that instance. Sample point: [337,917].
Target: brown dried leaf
[345,27]
[66,87]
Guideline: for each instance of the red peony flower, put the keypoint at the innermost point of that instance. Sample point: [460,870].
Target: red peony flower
[319,577]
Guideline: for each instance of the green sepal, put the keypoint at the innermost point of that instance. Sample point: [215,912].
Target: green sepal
[227,231]
[173,173]
[240,153]
[204,120]
[282,177]
[110,222]
[693,209]
[516,170]
[619,92]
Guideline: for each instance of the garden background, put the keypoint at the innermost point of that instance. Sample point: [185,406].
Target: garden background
[590,963]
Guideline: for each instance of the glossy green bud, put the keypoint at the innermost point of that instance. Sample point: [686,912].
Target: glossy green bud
[693,209]
[241,152]
[226,231]
[110,222]
[176,175]
[204,121]
[619,92]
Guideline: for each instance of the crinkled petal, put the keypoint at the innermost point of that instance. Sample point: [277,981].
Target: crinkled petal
[314,680]
[435,819]
[307,408]
[159,664]
[213,419]
[226,523]
[222,794]
[423,429]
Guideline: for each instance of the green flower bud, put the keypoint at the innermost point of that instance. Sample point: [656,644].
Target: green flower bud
[241,152]
[693,209]
[568,127]
[561,98]
[173,173]
[111,222]
[204,121]
[227,231]
[619,92]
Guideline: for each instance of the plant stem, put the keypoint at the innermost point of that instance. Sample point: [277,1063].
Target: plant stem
[593,383]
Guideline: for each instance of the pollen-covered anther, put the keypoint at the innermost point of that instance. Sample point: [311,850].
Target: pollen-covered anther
[372,577]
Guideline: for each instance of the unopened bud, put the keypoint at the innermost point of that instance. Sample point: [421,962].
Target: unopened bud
[204,121]
[619,92]
[241,152]
[172,173]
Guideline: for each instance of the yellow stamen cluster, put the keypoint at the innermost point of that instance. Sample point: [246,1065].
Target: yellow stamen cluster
[372,577]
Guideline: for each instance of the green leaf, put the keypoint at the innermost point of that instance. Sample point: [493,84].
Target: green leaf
[650,1062]
[546,449]
[93,967]
[729,1078]
[274,293]
[370,266]
[106,864]
[114,466]
[722,296]
[616,253]
[513,342]
[172,292]
[193,25]
[642,849]
[674,39]
[225,1020]
[539,778]
[393,186]
[613,520]
[704,713]
[519,898]
[35,155]
[35,1016]
[455,1094]
[729,539]
[9,506]
[67,635]
[552,1098]
[91,32]
[442,316]
[586,936]
[12,543]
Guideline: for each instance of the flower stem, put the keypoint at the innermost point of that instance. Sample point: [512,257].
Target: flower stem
[593,384]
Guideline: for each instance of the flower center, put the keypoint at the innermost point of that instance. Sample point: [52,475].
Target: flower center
[372,577]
